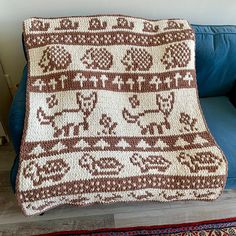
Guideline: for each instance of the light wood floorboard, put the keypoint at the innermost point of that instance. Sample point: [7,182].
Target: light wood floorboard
[46,226]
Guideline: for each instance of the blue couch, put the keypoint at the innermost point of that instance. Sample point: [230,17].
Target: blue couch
[216,74]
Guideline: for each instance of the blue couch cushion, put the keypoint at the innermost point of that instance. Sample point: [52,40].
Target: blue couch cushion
[17,113]
[215,59]
[16,123]
[220,115]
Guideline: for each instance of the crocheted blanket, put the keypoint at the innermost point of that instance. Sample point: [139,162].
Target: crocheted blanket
[112,115]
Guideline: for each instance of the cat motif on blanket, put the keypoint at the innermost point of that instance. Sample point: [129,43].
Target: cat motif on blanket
[147,120]
[64,120]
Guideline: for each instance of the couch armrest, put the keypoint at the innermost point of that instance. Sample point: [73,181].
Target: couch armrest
[17,113]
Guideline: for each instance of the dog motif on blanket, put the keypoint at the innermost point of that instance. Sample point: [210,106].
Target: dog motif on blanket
[157,117]
[70,119]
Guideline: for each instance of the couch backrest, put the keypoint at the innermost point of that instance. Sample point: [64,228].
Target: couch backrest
[215,59]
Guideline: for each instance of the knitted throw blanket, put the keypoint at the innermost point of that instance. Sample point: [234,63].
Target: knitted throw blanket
[112,115]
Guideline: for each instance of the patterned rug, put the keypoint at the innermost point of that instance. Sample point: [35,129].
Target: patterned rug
[223,227]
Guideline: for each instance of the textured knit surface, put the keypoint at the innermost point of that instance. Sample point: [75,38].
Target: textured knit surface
[112,115]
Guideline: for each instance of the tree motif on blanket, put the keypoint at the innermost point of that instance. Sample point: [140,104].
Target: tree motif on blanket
[70,119]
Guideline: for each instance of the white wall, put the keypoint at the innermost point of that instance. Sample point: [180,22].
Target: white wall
[13,12]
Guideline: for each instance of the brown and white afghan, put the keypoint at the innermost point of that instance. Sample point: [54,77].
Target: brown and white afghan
[112,115]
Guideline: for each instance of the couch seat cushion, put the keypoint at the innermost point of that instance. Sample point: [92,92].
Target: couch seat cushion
[220,115]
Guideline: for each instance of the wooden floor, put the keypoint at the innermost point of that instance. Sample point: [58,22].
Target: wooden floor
[13,222]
